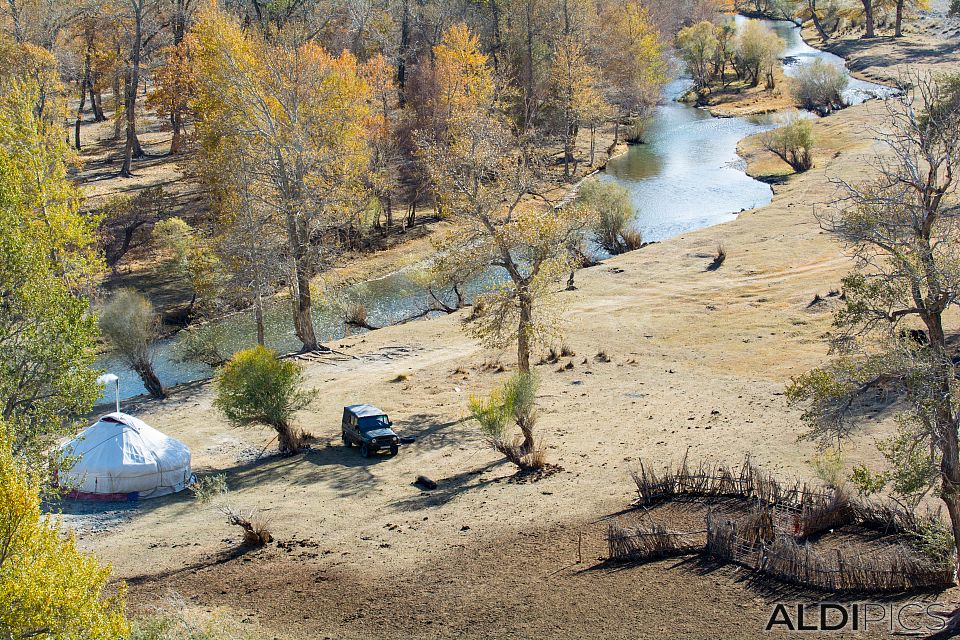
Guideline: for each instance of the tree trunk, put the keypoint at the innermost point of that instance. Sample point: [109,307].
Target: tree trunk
[144,369]
[132,148]
[117,105]
[258,316]
[497,37]
[83,101]
[947,426]
[868,17]
[402,54]
[593,143]
[898,32]
[816,20]
[523,331]
[176,142]
[303,317]
[96,101]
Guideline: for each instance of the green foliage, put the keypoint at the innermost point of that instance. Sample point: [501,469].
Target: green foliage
[257,387]
[511,404]
[48,588]
[697,47]
[615,215]
[47,264]
[933,540]
[758,48]
[130,324]
[192,260]
[828,465]
[866,481]
[819,85]
[793,143]
[207,488]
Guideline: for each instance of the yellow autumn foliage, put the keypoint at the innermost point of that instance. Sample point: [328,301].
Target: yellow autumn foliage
[48,588]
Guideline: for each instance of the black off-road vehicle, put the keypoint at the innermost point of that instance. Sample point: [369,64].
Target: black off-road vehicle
[368,427]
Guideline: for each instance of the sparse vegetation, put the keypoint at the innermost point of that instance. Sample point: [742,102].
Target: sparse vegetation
[793,143]
[256,526]
[257,387]
[209,487]
[819,86]
[615,215]
[513,404]
[131,326]
[718,259]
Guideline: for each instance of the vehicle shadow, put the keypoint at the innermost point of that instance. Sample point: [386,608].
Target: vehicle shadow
[451,487]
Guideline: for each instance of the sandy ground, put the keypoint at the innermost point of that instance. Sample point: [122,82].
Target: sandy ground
[700,360]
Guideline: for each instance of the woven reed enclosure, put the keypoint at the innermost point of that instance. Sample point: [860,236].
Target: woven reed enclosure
[770,530]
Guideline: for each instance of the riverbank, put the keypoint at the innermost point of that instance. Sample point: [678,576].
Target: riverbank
[699,360]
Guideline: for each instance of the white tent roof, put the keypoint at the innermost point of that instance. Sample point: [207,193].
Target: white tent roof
[123,455]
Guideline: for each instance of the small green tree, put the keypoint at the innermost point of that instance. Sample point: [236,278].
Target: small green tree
[697,47]
[512,404]
[793,143]
[257,387]
[758,48]
[615,215]
[131,326]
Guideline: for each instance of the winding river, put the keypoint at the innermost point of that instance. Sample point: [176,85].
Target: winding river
[687,176]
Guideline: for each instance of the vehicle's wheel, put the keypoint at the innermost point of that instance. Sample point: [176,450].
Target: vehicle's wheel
[365,450]
[346,440]
[394,450]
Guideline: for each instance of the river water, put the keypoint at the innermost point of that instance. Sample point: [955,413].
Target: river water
[686,176]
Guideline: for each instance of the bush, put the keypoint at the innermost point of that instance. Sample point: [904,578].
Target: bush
[513,402]
[48,588]
[955,7]
[615,215]
[131,326]
[793,143]
[257,387]
[819,86]
[206,488]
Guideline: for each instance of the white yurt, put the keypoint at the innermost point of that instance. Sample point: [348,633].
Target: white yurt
[123,458]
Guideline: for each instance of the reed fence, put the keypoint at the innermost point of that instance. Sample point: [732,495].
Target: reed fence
[771,537]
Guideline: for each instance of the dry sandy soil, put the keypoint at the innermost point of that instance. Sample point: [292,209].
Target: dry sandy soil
[699,364]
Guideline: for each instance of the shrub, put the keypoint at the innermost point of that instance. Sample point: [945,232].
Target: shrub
[48,588]
[257,387]
[131,326]
[513,402]
[256,527]
[819,86]
[615,215]
[955,7]
[206,488]
[793,143]
[828,465]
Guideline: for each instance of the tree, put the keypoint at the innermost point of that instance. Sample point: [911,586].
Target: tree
[174,88]
[127,221]
[301,116]
[257,387]
[633,61]
[758,48]
[615,215]
[697,46]
[483,172]
[793,143]
[514,401]
[131,326]
[868,18]
[48,587]
[576,94]
[192,259]
[48,262]
[819,86]
[902,229]
[141,13]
